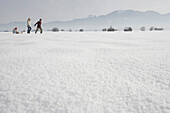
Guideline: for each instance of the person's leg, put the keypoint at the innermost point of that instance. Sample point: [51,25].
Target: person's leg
[36,30]
[29,29]
[41,30]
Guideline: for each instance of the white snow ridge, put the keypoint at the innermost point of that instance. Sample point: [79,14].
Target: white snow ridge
[90,72]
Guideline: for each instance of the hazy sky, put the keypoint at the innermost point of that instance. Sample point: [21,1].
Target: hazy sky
[52,10]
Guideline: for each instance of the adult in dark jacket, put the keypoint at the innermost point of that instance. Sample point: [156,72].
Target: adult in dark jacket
[39,26]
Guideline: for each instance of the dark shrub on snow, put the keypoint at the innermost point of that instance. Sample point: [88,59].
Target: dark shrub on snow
[81,30]
[151,29]
[55,29]
[111,29]
[128,29]
[104,29]
[158,29]
[142,29]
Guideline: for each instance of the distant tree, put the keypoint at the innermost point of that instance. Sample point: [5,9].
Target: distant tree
[104,29]
[62,30]
[128,29]
[151,28]
[110,29]
[158,29]
[142,29]
[70,30]
[81,30]
[55,29]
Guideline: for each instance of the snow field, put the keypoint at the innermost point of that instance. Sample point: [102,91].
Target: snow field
[89,72]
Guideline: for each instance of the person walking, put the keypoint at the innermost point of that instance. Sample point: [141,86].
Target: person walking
[39,26]
[29,25]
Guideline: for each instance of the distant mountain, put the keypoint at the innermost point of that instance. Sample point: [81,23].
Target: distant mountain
[12,25]
[117,19]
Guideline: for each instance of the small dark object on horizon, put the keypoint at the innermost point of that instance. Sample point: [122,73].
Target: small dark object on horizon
[110,29]
[104,29]
[81,30]
[151,29]
[55,29]
[158,29]
[128,29]
[142,29]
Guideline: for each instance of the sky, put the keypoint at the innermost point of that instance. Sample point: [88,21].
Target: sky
[63,10]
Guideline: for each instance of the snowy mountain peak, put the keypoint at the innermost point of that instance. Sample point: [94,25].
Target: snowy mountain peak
[119,19]
[152,12]
[91,16]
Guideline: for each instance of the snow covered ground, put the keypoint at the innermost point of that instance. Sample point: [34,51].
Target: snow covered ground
[89,72]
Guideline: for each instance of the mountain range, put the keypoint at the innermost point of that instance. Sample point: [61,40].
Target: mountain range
[117,19]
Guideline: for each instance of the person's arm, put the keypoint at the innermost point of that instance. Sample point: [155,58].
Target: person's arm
[36,24]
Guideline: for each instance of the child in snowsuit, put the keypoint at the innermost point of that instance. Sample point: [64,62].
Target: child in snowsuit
[38,26]
[15,31]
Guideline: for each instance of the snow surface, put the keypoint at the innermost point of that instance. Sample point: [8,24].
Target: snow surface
[89,72]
